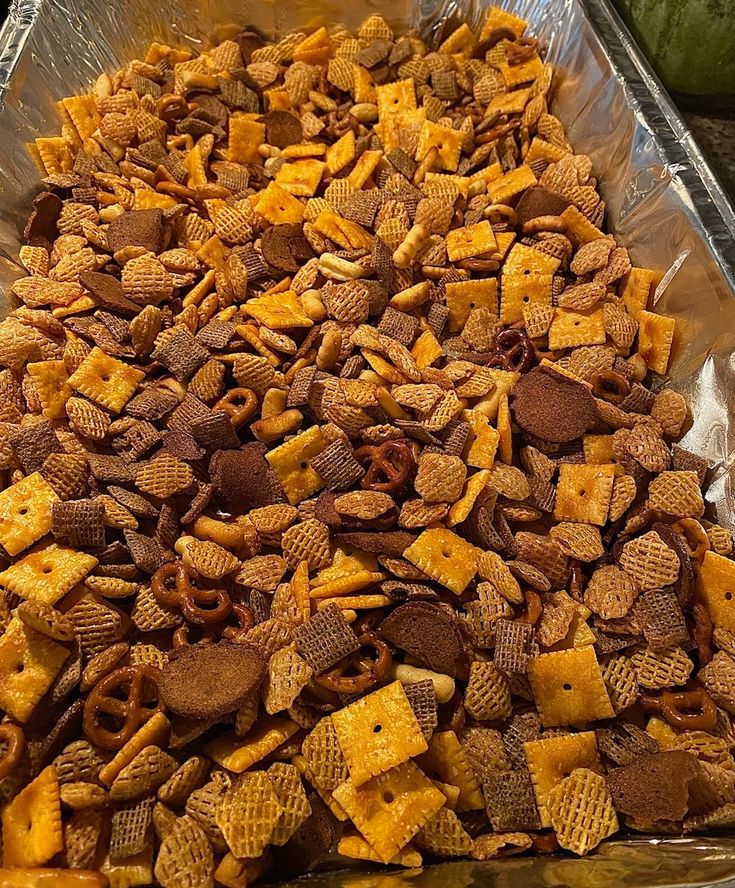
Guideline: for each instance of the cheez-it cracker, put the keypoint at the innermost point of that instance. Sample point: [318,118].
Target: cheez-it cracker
[342,515]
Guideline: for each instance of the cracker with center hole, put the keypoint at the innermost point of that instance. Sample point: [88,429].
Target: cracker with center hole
[568,687]
[25,512]
[29,663]
[445,557]
[105,380]
[47,574]
[391,808]
[378,732]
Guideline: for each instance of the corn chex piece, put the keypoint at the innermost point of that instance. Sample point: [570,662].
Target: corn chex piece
[46,575]
[487,696]
[288,674]
[25,512]
[552,759]
[716,586]
[185,855]
[378,732]
[581,811]
[32,831]
[105,380]
[290,462]
[448,761]
[677,494]
[445,557]
[661,668]
[568,687]
[29,663]
[164,476]
[237,754]
[286,782]
[323,754]
[650,562]
[248,814]
[583,493]
[444,835]
[391,808]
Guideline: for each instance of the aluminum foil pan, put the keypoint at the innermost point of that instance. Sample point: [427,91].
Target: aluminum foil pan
[664,203]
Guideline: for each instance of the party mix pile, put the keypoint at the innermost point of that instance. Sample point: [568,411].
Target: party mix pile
[342,514]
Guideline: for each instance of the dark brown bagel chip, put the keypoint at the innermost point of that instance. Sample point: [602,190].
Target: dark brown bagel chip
[284,247]
[281,128]
[243,479]
[207,681]
[654,787]
[551,406]
[137,228]
[427,632]
[390,542]
[540,201]
[40,229]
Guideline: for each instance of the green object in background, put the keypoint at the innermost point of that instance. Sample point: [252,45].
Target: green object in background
[691,44]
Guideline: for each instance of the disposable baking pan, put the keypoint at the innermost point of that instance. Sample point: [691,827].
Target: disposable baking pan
[664,203]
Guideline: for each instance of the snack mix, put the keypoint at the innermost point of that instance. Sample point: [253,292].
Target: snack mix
[342,513]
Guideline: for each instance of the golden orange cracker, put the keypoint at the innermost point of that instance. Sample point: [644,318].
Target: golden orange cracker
[542,150]
[446,760]
[655,340]
[378,732]
[340,153]
[25,512]
[32,831]
[50,379]
[716,586]
[82,111]
[366,165]
[301,178]
[29,662]
[278,206]
[483,442]
[472,240]
[278,311]
[551,759]
[105,380]
[55,154]
[635,290]
[391,808]
[512,102]
[395,98]
[463,296]
[580,226]
[447,141]
[154,732]
[508,186]
[573,328]
[348,235]
[290,462]
[355,847]
[519,291]
[583,493]
[473,487]
[568,687]
[445,557]
[426,349]
[498,18]
[240,753]
[47,574]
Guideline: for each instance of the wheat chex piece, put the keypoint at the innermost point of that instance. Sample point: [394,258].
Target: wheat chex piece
[29,663]
[514,643]
[325,639]
[423,701]
[249,813]
[391,808]
[25,512]
[551,759]
[583,493]
[581,811]
[32,830]
[378,732]
[510,801]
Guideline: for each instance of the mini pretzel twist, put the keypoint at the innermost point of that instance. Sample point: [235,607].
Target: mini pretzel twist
[369,671]
[239,404]
[610,386]
[130,711]
[203,607]
[14,739]
[513,351]
[392,460]
[692,710]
